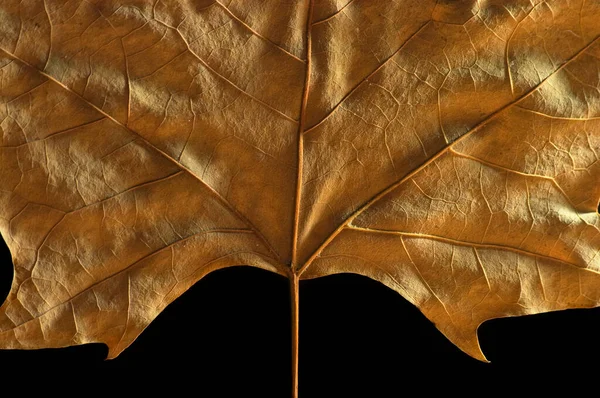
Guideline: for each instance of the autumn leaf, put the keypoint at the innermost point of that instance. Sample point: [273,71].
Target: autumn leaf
[446,149]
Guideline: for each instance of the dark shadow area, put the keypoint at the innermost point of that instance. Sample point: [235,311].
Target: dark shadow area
[360,338]
[229,336]
[6,270]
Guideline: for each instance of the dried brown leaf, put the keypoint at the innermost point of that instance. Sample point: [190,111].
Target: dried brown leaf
[446,149]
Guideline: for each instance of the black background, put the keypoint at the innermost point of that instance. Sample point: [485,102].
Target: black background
[229,335]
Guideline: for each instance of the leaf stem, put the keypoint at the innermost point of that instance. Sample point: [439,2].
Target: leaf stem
[294,295]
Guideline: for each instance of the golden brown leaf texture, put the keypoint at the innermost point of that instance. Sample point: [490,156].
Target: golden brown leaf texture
[446,149]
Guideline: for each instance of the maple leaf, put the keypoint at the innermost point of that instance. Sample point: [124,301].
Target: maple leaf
[446,149]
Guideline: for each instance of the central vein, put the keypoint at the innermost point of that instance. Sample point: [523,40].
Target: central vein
[301,128]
